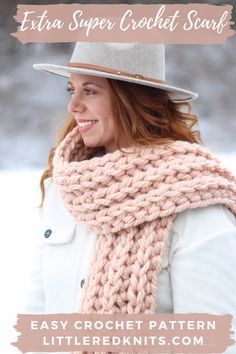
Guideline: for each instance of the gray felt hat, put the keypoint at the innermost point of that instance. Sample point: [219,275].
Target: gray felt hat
[139,63]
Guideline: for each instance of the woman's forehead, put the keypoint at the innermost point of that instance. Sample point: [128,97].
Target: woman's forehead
[82,78]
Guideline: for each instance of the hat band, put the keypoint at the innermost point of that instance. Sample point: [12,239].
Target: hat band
[113,71]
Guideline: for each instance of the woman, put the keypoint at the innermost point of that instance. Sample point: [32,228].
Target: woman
[137,216]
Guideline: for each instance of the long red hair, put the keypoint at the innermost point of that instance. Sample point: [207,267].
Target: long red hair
[144,115]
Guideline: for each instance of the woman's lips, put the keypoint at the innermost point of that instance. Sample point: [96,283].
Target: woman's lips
[88,125]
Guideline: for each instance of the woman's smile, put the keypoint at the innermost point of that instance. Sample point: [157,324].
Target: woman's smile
[85,125]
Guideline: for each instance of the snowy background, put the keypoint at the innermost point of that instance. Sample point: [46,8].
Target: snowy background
[32,107]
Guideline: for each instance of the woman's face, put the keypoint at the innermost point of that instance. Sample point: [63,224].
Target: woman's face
[90,103]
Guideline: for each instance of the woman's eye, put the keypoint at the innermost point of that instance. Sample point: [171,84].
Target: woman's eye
[90,92]
[70,90]
[87,92]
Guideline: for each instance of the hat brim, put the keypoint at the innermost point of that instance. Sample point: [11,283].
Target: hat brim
[176,94]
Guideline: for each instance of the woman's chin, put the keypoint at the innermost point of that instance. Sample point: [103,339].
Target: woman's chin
[90,143]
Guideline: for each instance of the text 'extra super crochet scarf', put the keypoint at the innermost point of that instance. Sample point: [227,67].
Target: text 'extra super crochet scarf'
[130,201]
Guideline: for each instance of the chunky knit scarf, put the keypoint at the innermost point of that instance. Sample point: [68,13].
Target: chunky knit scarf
[130,201]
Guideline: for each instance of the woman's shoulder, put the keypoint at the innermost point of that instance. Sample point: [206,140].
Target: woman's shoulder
[52,195]
[210,218]
[57,224]
[193,227]
[53,201]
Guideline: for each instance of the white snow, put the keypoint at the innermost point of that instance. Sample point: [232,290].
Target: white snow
[19,220]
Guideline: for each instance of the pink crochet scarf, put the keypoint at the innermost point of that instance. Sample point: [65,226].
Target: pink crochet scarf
[130,201]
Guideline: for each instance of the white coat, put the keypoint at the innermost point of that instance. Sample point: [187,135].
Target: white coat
[198,272]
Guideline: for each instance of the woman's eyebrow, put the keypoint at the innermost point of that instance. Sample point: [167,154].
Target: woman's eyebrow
[87,83]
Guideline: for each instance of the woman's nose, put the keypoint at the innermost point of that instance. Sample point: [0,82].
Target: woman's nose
[75,105]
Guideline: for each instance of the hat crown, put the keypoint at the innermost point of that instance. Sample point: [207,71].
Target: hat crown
[135,58]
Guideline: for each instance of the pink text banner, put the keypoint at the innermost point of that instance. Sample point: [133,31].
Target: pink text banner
[170,24]
[178,333]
